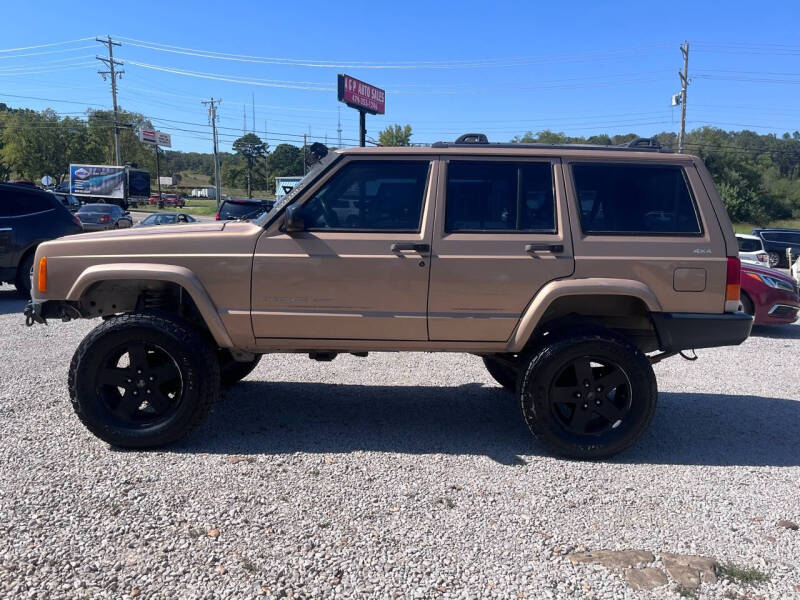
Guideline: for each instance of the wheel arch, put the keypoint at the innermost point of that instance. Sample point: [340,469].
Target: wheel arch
[130,279]
[616,303]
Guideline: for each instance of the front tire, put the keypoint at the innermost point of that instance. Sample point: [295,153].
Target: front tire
[503,373]
[142,381]
[233,371]
[588,396]
[24,279]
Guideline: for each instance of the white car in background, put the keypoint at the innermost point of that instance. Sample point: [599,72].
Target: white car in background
[796,270]
[751,250]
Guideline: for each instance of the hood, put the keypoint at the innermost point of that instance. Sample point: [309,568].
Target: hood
[153,231]
[775,274]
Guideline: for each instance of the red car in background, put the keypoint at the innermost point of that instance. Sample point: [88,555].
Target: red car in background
[769,295]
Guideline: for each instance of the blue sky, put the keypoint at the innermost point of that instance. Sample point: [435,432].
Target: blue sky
[448,67]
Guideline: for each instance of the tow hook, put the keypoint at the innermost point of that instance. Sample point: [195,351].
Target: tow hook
[32,315]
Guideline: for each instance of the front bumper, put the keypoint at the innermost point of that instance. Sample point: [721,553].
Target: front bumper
[38,311]
[685,331]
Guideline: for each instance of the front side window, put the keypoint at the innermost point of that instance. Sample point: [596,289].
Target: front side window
[634,199]
[500,197]
[370,196]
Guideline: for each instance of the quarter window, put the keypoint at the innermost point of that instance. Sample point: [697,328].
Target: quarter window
[500,196]
[634,199]
[370,196]
[22,202]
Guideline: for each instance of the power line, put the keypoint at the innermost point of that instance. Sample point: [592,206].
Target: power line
[113,73]
[45,45]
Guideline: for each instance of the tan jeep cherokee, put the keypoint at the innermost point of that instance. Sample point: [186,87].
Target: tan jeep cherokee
[569,269]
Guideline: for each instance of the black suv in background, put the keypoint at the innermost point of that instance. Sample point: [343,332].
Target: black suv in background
[243,208]
[28,217]
[776,241]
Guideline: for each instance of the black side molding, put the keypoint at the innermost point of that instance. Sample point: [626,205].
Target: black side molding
[684,331]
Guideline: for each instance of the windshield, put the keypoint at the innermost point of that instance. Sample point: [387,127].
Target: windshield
[315,170]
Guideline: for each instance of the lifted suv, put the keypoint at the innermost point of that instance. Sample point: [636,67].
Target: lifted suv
[569,269]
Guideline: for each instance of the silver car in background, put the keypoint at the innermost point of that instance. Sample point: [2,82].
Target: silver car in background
[100,217]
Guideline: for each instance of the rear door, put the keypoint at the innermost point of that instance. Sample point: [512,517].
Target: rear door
[502,232]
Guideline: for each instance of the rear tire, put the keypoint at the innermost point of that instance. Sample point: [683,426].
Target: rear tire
[774,259]
[233,371]
[142,381]
[747,305]
[588,396]
[24,281]
[502,372]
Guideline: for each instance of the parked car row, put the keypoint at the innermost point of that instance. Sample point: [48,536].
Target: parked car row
[168,200]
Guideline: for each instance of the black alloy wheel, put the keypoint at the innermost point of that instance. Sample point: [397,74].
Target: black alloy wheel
[143,380]
[139,384]
[588,395]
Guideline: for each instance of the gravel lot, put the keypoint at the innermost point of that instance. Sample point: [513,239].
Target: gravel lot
[394,476]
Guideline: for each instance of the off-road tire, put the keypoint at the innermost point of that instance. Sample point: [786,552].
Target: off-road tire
[192,355]
[747,305]
[545,365]
[502,372]
[233,371]
[24,271]
[775,259]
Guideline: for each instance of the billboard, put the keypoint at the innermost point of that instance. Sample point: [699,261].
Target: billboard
[360,95]
[102,181]
[156,138]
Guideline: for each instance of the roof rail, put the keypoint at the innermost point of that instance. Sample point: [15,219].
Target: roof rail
[643,143]
[480,139]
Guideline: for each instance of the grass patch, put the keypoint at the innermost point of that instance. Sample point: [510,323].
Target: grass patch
[748,227]
[742,574]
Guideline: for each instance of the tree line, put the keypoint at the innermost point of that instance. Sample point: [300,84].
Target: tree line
[757,175]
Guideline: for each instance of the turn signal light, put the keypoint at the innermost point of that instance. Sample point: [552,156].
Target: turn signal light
[734,280]
[42,279]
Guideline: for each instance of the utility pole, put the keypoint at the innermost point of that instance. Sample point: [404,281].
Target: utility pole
[684,75]
[158,179]
[339,128]
[111,64]
[212,115]
[305,143]
[362,128]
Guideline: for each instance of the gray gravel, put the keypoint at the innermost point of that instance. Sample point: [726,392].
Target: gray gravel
[394,476]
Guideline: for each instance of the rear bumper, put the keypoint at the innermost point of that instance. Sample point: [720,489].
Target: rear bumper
[684,331]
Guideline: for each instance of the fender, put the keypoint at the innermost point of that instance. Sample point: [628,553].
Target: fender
[172,273]
[576,287]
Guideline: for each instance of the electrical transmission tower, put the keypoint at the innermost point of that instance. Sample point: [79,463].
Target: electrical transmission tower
[113,73]
[212,116]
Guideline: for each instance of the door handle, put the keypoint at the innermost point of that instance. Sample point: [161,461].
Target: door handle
[415,247]
[531,248]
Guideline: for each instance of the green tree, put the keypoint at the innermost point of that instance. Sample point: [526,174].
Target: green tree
[395,135]
[252,150]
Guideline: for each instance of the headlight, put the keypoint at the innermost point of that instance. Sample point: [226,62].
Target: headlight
[779,284]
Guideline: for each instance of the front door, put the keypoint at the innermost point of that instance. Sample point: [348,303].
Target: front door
[502,232]
[359,269]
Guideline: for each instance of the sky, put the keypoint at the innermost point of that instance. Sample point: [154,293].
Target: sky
[502,68]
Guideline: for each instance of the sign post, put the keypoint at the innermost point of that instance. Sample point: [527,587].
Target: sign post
[365,98]
[156,139]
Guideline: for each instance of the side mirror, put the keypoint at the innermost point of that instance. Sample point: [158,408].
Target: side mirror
[293,218]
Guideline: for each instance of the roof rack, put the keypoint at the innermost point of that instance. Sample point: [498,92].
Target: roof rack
[480,139]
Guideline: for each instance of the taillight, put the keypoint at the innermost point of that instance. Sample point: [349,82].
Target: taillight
[42,278]
[733,283]
[77,220]
[217,216]
[104,219]
[763,258]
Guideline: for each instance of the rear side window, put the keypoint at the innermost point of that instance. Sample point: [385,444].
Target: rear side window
[499,197]
[243,210]
[748,245]
[371,196]
[20,203]
[634,199]
[784,237]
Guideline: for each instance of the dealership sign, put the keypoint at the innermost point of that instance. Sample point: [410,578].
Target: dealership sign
[156,138]
[362,96]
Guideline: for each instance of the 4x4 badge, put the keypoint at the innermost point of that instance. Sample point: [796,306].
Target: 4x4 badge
[701,251]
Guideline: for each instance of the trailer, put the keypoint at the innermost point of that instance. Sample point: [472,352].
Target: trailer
[125,186]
